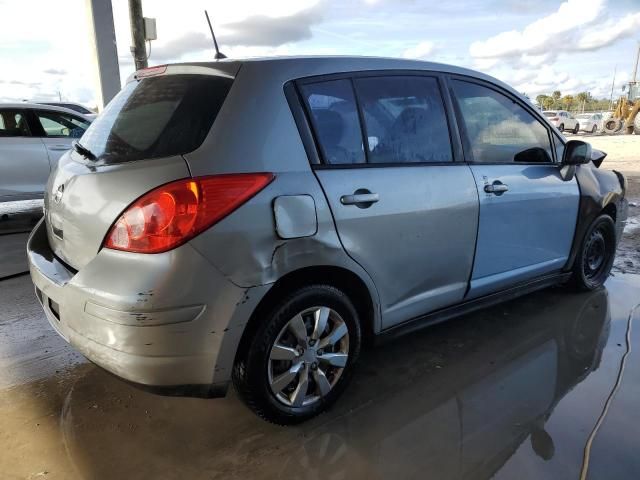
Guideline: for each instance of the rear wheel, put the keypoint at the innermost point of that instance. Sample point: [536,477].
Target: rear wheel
[301,357]
[595,257]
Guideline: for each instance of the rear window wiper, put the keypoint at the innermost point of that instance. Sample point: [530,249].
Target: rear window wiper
[84,151]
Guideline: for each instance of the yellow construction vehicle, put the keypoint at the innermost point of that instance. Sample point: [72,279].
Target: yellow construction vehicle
[625,115]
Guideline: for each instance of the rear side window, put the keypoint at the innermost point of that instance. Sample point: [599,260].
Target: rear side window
[157,117]
[56,124]
[334,115]
[498,129]
[405,119]
[13,123]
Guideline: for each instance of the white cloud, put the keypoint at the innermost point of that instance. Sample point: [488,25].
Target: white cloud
[559,30]
[420,51]
[610,32]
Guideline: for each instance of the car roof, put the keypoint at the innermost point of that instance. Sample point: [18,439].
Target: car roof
[294,67]
[39,106]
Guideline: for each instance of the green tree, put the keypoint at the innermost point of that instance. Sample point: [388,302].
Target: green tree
[556,97]
[582,98]
[567,101]
[541,100]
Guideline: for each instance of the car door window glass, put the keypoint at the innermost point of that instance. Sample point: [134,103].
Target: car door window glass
[57,124]
[335,119]
[498,129]
[405,119]
[13,124]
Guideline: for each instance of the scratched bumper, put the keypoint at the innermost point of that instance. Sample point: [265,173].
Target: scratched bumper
[164,320]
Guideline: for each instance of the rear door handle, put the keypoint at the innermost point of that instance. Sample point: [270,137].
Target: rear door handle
[497,188]
[361,198]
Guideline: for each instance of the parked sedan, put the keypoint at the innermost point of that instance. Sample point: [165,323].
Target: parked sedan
[32,139]
[212,226]
[562,120]
[590,122]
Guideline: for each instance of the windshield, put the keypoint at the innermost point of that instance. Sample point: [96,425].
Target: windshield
[157,117]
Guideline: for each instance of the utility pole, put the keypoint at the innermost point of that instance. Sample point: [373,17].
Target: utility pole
[635,68]
[613,83]
[138,49]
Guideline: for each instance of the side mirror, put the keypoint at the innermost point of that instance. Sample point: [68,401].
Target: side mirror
[576,152]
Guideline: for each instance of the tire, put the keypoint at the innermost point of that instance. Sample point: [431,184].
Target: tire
[561,127]
[290,401]
[594,130]
[612,125]
[595,258]
[576,129]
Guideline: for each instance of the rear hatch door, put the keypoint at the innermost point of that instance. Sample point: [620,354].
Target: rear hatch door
[135,145]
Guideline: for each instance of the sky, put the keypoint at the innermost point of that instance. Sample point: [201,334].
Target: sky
[536,46]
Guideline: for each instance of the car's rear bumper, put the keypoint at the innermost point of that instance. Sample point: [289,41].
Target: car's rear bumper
[167,320]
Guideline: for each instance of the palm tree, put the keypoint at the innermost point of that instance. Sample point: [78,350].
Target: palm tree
[582,98]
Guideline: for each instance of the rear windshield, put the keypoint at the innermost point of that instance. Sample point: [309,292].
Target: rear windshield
[157,117]
[550,114]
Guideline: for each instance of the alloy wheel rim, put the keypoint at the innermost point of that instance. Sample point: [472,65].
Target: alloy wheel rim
[308,356]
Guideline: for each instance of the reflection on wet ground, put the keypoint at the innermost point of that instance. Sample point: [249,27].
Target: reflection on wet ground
[512,392]
[17,219]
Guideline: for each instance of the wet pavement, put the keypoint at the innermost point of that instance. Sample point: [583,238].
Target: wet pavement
[521,391]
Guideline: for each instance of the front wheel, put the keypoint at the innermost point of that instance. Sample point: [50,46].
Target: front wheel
[576,129]
[595,257]
[561,127]
[594,129]
[301,357]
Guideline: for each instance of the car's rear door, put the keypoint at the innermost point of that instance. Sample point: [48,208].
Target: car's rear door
[528,212]
[404,209]
[24,166]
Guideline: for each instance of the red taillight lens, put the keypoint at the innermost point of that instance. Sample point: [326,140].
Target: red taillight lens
[172,214]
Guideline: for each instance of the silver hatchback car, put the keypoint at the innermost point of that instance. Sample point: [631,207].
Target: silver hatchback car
[258,220]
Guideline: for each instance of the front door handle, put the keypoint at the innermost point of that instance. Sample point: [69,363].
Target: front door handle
[361,198]
[497,188]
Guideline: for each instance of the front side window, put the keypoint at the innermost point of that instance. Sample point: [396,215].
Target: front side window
[334,115]
[56,124]
[498,129]
[13,124]
[405,119]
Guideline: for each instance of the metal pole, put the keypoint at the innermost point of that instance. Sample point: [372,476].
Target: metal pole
[635,68]
[138,49]
[613,83]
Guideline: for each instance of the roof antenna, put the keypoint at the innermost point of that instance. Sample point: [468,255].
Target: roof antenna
[218,55]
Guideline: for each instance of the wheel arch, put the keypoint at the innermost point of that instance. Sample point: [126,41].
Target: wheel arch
[349,282]
[601,191]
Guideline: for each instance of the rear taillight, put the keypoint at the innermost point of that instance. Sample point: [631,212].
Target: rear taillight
[172,214]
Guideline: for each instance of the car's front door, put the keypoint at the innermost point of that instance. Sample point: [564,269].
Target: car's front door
[24,166]
[527,211]
[404,210]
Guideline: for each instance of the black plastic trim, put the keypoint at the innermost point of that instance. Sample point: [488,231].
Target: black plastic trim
[471,306]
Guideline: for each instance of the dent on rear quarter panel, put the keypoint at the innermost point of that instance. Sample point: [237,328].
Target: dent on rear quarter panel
[598,189]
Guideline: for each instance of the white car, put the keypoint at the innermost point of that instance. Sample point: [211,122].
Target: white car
[76,107]
[562,120]
[32,139]
[590,122]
